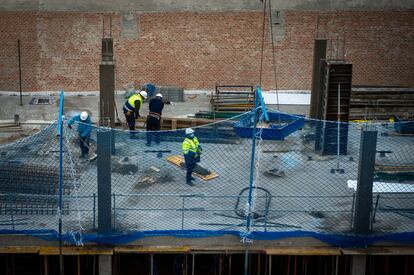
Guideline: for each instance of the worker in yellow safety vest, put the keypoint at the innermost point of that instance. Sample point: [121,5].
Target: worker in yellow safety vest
[131,108]
[192,151]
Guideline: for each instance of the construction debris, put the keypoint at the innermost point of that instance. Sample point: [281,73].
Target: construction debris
[275,173]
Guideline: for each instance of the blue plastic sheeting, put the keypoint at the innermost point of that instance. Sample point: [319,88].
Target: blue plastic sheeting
[281,126]
[403,127]
[336,240]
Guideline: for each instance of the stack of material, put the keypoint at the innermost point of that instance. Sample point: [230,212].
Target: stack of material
[31,189]
[381,102]
[10,127]
[399,173]
[18,177]
[233,99]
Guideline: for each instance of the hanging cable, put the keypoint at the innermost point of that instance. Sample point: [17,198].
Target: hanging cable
[273,53]
[263,39]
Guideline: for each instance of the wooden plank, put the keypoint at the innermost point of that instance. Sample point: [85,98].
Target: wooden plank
[177,160]
[173,124]
[310,251]
[394,168]
[379,251]
[151,249]
[69,250]
[19,249]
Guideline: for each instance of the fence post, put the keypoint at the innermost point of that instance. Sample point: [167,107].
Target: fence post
[104,181]
[363,203]
[252,163]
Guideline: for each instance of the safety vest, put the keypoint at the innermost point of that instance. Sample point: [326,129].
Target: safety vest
[133,98]
[190,145]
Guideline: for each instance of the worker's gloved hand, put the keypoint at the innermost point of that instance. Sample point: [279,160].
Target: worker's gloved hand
[199,149]
[137,116]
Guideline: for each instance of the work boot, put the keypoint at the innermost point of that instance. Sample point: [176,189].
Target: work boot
[189,183]
[192,178]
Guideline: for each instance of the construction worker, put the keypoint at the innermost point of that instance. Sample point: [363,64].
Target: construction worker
[192,151]
[131,108]
[154,118]
[84,131]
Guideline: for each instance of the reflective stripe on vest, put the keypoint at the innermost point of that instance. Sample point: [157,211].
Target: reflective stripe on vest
[190,145]
[133,98]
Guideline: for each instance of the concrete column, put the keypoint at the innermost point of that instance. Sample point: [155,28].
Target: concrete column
[104,182]
[358,265]
[107,94]
[365,179]
[105,264]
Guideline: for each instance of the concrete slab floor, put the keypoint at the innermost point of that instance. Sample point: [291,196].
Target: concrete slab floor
[307,197]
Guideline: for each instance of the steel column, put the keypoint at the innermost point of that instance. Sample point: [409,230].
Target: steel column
[363,203]
[104,181]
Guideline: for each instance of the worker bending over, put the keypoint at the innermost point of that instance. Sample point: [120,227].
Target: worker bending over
[192,151]
[154,118]
[131,108]
[84,131]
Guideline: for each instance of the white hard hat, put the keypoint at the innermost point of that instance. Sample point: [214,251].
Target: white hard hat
[143,94]
[84,115]
[189,131]
[158,95]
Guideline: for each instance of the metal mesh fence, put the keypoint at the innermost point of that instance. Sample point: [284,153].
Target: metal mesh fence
[256,179]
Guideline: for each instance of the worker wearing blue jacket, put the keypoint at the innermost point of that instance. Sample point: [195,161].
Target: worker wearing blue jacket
[84,131]
[154,118]
[192,151]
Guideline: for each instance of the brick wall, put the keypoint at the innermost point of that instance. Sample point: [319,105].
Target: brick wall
[200,50]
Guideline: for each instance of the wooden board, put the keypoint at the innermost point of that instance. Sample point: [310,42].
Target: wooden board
[313,251]
[177,160]
[394,168]
[71,250]
[152,249]
[19,249]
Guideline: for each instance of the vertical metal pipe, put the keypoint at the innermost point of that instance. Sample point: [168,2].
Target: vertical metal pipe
[352,211]
[20,72]
[182,213]
[336,264]
[152,263]
[186,264]
[114,199]
[270,264]
[248,222]
[193,265]
[60,133]
[230,264]
[338,151]
[246,261]
[94,211]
